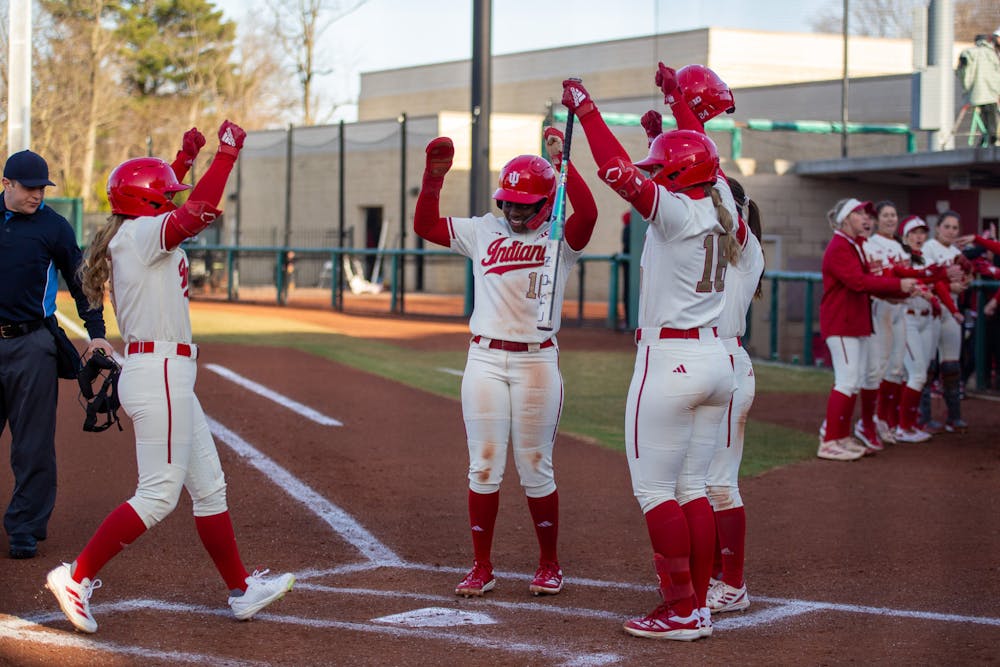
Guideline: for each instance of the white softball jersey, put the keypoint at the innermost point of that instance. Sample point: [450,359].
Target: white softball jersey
[741,285]
[507,267]
[882,252]
[950,340]
[683,269]
[936,252]
[149,284]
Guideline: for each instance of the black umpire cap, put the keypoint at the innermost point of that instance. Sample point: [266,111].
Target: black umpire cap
[27,168]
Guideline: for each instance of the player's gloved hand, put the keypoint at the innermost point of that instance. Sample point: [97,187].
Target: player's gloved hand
[576,98]
[623,177]
[652,122]
[553,138]
[231,137]
[192,142]
[440,153]
[666,81]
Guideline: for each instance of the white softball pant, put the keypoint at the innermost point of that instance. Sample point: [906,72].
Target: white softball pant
[724,471]
[173,444]
[887,345]
[949,343]
[515,397]
[676,402]
[849,355]
[922,333]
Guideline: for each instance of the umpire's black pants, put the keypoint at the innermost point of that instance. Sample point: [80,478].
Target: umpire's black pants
[28,394]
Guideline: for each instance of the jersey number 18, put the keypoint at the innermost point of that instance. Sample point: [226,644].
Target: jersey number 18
[713,277]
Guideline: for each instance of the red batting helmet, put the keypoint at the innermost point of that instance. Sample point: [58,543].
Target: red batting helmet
[143,186]
[705,92]
[688,158]
[528,179]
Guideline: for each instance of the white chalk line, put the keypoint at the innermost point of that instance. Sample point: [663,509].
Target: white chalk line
[451,371]
[29,630]
[272,395]
[547,650]
[340,521]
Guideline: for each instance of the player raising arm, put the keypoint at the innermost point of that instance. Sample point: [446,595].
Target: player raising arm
[512,390]
[683,378]
[137,251]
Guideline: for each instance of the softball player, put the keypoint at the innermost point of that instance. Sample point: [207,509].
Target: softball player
[887,344]
[683,378]
[512,390]
[845,320]
[943,251]
[922,332]
[728,590]
[139,252]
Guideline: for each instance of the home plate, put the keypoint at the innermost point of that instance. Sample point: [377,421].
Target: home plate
[437,617]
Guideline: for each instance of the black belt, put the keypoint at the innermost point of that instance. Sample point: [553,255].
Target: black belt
[16,329]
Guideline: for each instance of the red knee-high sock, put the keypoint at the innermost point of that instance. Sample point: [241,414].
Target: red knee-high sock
[216,533]
[888,402]
[908,406]
[839,409]
[483,509]
[869,398]
[897,396]
[731,526]
[701,529]
[668,532]
[545,515]
[118,530]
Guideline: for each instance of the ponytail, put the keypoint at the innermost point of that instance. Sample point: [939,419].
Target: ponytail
[730,245]
[95,270]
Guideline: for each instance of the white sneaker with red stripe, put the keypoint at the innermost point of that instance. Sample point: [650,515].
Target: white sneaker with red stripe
[664,623]
[868,435]
[73,598]
[704,622]
[260,592]
[722,598]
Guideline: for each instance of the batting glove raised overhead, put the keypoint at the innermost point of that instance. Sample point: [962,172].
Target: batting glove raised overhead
[576,98]
[652,122]
[192,143]
[231,137]
[440,154]
[666,81]
[553,138]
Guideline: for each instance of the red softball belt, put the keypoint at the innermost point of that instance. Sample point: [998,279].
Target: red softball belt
[149,347]
[667,332]
[512,346]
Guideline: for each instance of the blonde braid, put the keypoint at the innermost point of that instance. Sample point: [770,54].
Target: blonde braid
[730,244]
[96,267]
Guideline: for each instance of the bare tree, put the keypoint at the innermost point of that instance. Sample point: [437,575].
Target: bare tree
[299,26]
[894,18]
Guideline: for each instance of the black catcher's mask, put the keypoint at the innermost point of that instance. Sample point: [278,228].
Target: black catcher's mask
[105,400]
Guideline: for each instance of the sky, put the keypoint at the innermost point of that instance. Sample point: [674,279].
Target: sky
[388,34]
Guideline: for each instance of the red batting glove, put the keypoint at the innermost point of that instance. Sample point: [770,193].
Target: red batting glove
[440,153]
[652,122]
[576,98]
[231,137]
[623,177]
[553,139]
[666,81]
[192,142]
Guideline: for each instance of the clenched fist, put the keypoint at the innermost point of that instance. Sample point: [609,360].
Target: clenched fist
[231,137]
[652,122]
[576,98]
[666,81]
[553,138]
[440,153]
[192,142]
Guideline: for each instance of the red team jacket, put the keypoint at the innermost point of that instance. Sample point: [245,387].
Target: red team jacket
[848,284]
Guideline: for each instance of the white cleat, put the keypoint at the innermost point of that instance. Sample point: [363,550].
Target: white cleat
[260,592]
[73,598]
[723,598]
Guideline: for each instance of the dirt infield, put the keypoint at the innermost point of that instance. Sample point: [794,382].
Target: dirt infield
[888,560]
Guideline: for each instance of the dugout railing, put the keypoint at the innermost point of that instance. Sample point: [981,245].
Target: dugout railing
[788,311]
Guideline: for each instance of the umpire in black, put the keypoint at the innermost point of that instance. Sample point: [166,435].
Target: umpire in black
[35,244]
